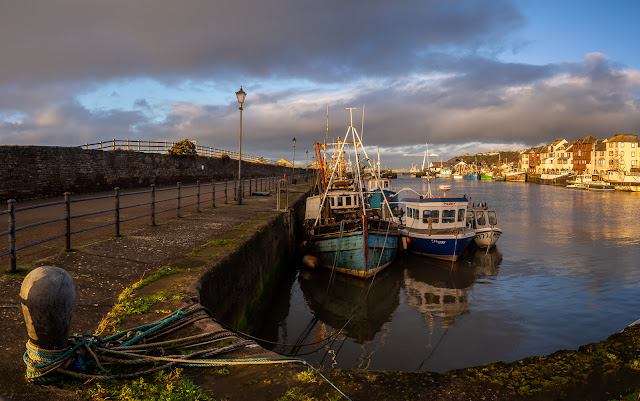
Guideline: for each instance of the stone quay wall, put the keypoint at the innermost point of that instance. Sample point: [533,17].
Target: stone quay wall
[44,171]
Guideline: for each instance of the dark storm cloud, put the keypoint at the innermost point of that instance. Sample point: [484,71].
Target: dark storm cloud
[71,40]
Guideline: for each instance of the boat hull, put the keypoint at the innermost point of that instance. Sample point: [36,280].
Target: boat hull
[487,237]
[443,246]
[354,252]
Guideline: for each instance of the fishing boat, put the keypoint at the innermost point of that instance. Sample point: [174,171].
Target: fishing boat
[342,232]
[435,226]
[486,176]
[485,222]
[591,182]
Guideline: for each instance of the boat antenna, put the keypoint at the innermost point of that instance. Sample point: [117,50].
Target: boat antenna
[362,129]
[327,136]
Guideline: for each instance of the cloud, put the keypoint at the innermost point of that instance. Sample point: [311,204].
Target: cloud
[426,71]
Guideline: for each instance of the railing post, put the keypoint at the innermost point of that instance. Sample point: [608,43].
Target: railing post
[114,145]
[179,196]
[226,198]
[250,191]
[11,205]
[117,210]
[67,210]
[235,189]
[198,196]
[153,204]
[213,193]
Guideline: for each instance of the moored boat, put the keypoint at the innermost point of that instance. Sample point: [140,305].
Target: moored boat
[342,232]
[435,226]
[485,222]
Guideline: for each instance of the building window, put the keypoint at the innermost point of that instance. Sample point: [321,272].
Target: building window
[622,145]
[633,154]
[611,153]
[621,153]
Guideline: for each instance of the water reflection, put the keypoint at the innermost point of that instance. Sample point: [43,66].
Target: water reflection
[441,289]
[565,273]
[359,307]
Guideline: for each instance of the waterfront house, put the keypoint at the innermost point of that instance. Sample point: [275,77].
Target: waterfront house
[622,153]
[600,161]
[582,149]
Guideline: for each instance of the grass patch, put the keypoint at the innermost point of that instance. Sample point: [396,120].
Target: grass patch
[21,271]
[215,242]
[129,304]
[164,386]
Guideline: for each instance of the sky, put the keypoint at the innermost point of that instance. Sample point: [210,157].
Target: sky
[463,76]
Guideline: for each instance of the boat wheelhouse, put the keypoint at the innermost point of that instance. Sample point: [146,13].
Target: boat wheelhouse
[485,222]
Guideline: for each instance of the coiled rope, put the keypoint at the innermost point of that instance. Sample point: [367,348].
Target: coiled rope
[87,355]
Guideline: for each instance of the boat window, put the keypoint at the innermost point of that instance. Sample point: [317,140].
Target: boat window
[333,203]
[448,216]
[355,200]
[481,219]
[386,184]
[410,212]
[434,216]
[347,201]
[460,214]
[339,201]
[493,218]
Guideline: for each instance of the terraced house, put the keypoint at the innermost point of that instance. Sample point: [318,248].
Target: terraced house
[620,153]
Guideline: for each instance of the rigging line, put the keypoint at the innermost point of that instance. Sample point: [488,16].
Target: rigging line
[446,330]
[307,331]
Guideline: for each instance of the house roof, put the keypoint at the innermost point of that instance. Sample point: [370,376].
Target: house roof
[624,138]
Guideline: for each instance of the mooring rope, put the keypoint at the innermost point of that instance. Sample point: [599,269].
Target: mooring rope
[88,354]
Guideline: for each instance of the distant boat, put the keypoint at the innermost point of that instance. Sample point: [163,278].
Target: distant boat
[444,173]
[592,182]
[436,226]
[519,176]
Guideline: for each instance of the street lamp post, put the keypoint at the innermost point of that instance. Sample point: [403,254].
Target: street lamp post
[240,94]
[293,174]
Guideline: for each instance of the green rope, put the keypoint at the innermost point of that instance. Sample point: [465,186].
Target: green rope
[85,353]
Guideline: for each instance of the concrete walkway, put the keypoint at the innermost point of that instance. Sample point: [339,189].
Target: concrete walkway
[104,267]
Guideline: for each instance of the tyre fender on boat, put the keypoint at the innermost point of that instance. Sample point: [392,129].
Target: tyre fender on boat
[310,261]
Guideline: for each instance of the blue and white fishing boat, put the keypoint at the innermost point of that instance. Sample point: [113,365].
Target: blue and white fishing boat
[436,226]
[342,231]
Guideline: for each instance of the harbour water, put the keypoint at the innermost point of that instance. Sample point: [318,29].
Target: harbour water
[566,272]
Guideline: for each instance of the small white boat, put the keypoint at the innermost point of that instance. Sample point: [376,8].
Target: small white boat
[485,222]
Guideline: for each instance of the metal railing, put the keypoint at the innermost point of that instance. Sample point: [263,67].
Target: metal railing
[163,147]
[62,211]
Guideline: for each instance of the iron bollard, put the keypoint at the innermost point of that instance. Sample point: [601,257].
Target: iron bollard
[48,295]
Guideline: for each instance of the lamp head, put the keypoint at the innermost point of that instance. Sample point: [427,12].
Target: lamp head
[240,94]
